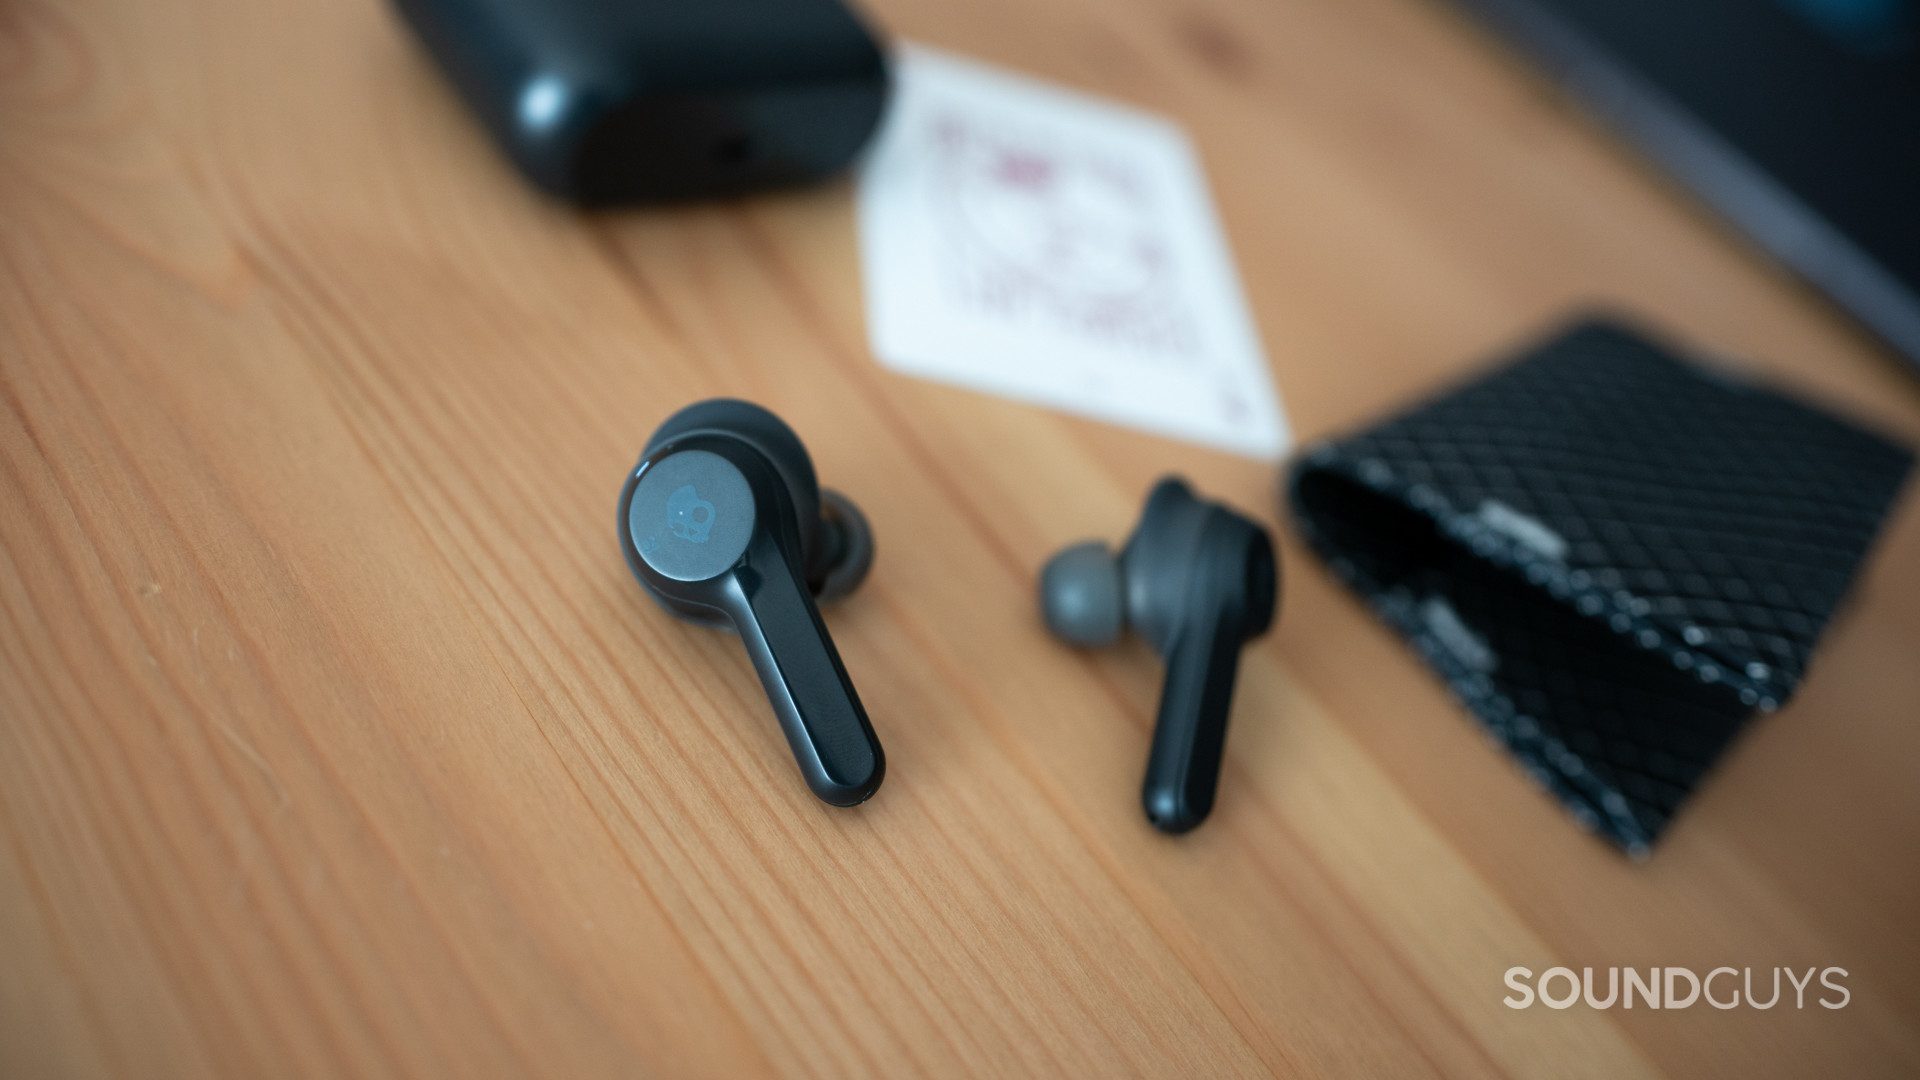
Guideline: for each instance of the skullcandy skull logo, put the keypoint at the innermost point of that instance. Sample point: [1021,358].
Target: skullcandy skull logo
[688,515]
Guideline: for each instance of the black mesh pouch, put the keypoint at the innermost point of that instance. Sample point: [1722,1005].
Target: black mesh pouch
[1612,556]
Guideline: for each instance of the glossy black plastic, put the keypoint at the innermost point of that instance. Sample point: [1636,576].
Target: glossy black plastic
[716,522]
[602,102]
[1198,581]
[1209,581]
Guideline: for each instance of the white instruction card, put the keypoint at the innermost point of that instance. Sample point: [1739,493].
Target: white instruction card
[1036,242]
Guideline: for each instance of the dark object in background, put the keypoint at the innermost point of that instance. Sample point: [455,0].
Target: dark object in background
[724,522]
[625,101]
[1199,582]
[1799,120]
[1613,557]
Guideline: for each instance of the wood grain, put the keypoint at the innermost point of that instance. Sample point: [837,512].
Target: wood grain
[335,739]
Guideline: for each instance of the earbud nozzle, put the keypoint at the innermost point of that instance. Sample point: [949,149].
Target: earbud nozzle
[847,546]
[1081,595]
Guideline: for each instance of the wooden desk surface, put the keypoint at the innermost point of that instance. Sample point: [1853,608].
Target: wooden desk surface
[335,738]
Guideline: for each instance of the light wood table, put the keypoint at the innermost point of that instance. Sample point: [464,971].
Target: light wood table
[336,739]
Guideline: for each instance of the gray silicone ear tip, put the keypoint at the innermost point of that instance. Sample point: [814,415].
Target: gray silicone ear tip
[851,553]
[1080,595]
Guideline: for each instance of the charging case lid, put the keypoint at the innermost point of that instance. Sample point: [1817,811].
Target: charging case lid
[624,101]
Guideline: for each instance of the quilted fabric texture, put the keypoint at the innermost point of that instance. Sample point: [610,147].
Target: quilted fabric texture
[1613,557]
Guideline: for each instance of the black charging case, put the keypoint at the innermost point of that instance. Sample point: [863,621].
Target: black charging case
[623,101]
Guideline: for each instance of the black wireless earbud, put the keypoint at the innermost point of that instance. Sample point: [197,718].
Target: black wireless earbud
[724,522]
[1198,581]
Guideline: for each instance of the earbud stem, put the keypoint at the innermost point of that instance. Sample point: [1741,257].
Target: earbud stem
[1183,767]
[814,699]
